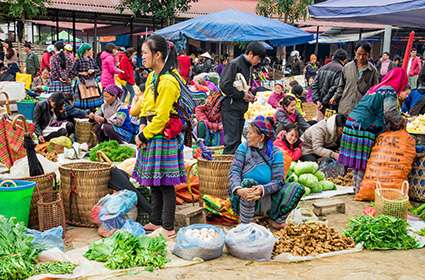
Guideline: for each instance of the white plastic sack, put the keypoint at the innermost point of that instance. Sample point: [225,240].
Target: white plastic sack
[190,246]
[250,242]
[20,168]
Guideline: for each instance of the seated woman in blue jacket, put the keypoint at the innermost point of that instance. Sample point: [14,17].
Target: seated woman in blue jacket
[256,177]
[415,103]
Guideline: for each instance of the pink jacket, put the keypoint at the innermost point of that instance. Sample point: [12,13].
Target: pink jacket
[108,69]
[294,152]
[275,98]
[415,68]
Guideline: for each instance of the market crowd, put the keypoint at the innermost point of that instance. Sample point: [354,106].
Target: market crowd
[131,95]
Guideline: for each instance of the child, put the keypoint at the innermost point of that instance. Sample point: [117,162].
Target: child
[288,141]
[276,96]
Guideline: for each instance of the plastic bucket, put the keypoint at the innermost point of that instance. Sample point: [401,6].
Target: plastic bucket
[15,199]
[26,109]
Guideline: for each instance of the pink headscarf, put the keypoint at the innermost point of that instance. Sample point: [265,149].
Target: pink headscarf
[396,78]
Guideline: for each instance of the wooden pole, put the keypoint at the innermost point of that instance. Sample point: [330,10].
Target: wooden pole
[57,25]
[316,50]
[95,34]
[131,31]
[74,39]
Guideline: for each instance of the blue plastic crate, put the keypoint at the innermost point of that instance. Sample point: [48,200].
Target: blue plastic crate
[26,109]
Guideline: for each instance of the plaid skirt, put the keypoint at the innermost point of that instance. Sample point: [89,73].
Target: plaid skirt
[356,146]
[58,86]
[161,163]
[84,104]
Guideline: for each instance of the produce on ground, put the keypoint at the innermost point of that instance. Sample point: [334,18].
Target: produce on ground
[114,151]
[203,234]
[310,239]
[29,99]
[18,255]
[308,175]
[382,232]
[416,125]
[123,250]
[347,180]
[306,167]
[419,211]
[422,232]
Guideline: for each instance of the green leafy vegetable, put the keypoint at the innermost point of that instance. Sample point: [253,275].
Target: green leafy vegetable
[114,151]
[123,250]
[292,178]
[54,268]
[319,175]
[327,185]
[382,232]
[307,167]
[308,180]
[307,191]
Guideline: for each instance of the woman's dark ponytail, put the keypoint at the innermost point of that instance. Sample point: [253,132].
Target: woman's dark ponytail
[62,58]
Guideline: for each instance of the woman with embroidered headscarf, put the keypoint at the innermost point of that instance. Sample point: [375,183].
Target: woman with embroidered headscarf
[256,180]
[113,120]
[376,112]
[86,92]
[210,127]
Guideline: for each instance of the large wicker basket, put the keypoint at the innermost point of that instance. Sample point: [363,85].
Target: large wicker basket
[392,202]
[83,184]
[84,132]
[44,182]
[214,174]
[417,179]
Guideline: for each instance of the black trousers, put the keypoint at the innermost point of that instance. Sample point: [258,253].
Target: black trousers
[163,201]
[233,123]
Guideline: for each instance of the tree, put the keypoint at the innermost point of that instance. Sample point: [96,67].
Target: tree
[160,10]
[290,10]
[22,10]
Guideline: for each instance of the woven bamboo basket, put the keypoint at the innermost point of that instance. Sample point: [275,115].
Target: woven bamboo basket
[392,202]
[213,175]
[216,149]
[417,180]
[44,183]
[84,132]
[51,212]
[83,184]
[309,111]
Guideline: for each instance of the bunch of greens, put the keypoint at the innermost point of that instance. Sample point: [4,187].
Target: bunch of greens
[54,268]
[419,211]
[382,232]
[112,150]
[123,250]
[17,254]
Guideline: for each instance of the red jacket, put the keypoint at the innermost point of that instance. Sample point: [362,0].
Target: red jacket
[45,61]
[294,152]
[126,65]
[415,68]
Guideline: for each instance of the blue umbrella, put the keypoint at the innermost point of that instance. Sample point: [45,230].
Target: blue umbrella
[235,26]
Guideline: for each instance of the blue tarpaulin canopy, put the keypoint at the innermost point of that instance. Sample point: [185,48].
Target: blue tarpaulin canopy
[235,26]
[408,13]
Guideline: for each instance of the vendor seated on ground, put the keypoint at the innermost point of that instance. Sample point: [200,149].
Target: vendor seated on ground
[209,126]
[322,139]
[256,178]
[50,119]
[414,104]
[113,120]
[287,114]
[277,95]
[40,83]
[73,112]
[289,142]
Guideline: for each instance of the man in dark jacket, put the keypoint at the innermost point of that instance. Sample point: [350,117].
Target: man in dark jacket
[327,80]
[50,119]
[236,102]
[32,63]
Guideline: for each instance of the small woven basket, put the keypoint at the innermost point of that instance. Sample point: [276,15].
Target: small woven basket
[392,202]
[214,175]
[309,111]
[417,179]
[84,132]
[51,212]
[216,149]
[83,184]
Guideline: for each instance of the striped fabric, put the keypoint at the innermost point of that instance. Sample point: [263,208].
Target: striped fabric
[161,163]
[91,103]
[58,86]
[356,146]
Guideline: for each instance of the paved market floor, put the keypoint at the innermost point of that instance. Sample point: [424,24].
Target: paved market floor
[400,265]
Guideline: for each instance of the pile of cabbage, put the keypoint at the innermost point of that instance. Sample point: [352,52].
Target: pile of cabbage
[310,177]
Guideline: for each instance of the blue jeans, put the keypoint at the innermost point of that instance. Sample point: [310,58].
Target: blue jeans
[128,88]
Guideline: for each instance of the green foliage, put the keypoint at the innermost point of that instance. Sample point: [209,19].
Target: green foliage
[24,9]
[290,10]
[114,151]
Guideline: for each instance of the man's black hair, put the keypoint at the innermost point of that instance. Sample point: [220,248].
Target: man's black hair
[257,49]
[340,55]
[364,45]
[340,120]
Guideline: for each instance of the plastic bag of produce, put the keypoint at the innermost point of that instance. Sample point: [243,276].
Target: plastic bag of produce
[250,242]
[133,227]
[199,241]
[389,163]
[307,167]
[331,168]
[51,238]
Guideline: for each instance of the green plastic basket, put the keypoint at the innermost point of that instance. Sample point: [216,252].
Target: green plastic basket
[15,199]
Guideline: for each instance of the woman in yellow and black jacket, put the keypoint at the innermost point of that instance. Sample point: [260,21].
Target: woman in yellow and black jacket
[160,161]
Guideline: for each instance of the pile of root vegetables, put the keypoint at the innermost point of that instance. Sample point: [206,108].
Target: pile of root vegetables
[310,239]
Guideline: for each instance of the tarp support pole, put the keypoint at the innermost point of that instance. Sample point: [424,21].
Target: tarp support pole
[39,34]
[57,25]
[387,38]
[316,50]
[32,32]
[95,34]
[74,39]
[219,52]
[131,31]
[360,34]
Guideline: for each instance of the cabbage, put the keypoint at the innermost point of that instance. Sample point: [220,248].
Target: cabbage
[316,188]
[319,175]
[292,167]
[307,167]
[327,185]
[307,191]
[308,180]
[292,178]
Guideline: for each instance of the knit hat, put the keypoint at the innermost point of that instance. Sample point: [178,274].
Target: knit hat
[113,90]
[265,125]
[82,49]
